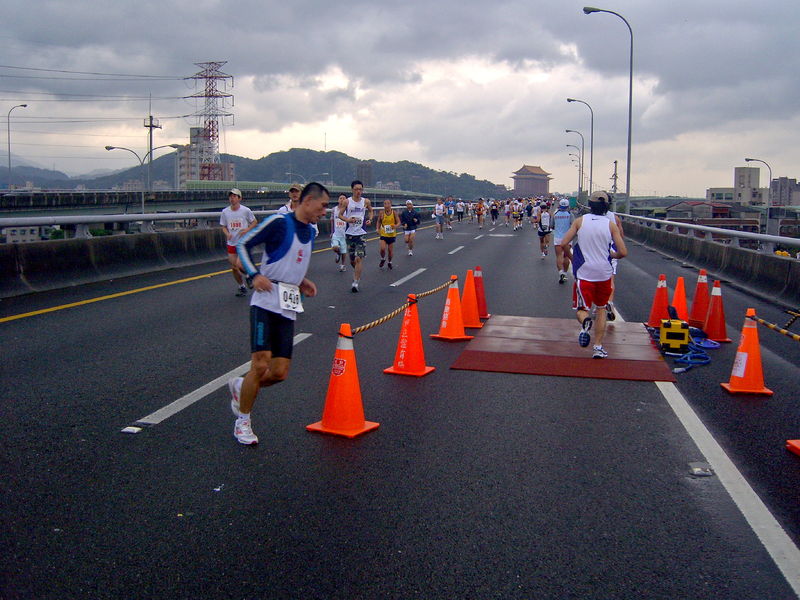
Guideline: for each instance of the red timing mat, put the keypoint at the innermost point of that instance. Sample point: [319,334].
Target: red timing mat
[540,346]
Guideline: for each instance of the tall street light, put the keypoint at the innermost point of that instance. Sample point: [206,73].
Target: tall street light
[583,163]
[772,224]
[580,169]
[591,140]
[589,10]
[141,159]
[769,187]
[8,125]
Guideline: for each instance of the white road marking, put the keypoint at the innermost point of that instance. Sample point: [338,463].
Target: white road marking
[456,250]
[406,278]
[479,237]
[778,544]
[198,394]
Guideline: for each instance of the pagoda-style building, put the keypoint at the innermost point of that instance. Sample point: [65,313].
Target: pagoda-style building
[531,181]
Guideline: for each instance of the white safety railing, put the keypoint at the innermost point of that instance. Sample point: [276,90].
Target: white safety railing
[200,220]
[714,231]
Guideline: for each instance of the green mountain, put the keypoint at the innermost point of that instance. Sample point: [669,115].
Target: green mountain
[302,164]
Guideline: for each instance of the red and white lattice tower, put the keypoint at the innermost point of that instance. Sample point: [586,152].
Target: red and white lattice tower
[216,102]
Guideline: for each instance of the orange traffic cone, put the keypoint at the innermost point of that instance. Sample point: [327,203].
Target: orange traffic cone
[452,325]
[480,294]
[344,412]
[714,325]
[469,303]
[697,316]
[410,356]
[746,375]
[793,446]
[679,300]
[660,308]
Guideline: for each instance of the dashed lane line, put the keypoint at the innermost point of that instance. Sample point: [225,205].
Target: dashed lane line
[407,277]
[454,250]
[185,401]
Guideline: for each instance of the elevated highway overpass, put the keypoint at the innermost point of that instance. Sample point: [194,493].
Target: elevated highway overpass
[476,484]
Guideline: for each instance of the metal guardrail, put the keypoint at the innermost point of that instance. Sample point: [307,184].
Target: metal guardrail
[204,219]
[717,231]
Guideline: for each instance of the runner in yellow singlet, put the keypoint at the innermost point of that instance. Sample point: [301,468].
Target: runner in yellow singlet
[388,222]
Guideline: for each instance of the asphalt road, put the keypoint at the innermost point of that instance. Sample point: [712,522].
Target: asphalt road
[476,484]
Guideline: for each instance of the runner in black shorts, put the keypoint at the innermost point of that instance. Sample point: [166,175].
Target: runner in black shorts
[271,332]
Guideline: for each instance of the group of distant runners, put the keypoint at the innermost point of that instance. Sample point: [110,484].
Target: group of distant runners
[592,243]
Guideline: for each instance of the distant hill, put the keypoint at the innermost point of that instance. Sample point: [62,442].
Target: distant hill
[301,162]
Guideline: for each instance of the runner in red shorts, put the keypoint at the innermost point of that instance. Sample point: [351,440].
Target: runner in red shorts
[591,264]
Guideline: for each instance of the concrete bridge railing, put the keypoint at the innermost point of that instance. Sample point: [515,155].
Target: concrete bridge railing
[763,274]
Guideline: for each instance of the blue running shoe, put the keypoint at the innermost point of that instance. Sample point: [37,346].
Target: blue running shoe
[583,337]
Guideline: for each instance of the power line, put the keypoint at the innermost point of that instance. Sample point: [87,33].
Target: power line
[90,73]
[75,134]
[92,78]
[29,93]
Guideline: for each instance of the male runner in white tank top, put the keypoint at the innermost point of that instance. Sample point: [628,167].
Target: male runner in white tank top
[591,265]
[355,215]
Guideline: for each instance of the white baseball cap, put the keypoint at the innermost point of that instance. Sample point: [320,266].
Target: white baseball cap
[236,191]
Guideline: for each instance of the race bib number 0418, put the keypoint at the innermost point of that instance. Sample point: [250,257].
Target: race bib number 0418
[290,297]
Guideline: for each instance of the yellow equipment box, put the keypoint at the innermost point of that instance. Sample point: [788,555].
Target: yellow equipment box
[674,336]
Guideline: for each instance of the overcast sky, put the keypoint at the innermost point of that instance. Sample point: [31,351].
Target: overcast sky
[477,87]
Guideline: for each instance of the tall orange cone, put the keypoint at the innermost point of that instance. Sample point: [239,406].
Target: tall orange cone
[697,316]
[793,446]
[344,412]
[746,375]
[469,303]
[452,325]
[660,308]
[679,300]
[410,356]
[714,325]
[480,294]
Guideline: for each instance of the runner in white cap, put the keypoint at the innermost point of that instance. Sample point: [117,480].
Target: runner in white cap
[236,220]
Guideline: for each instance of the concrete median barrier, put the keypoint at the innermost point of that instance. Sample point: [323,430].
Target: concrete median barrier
[41,266]
[767,275]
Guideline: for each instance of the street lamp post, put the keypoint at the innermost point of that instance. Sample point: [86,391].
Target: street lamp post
[583,163]
[141,159]
[288,173]
[772,228]
[8,130]
[580,160]
[589,10]
[591,140]
[580,169]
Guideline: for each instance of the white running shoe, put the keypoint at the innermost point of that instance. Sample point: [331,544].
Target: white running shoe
[354,287]
[342,268]
[243,432]
[235,388]
[599,352]
[411,253]
[562,278]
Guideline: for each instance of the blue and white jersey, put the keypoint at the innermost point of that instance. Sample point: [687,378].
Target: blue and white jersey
[591,259]
[562,219]
[288,244]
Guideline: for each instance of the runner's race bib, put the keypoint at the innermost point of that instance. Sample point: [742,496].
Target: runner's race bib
[290,297]
[388,230]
